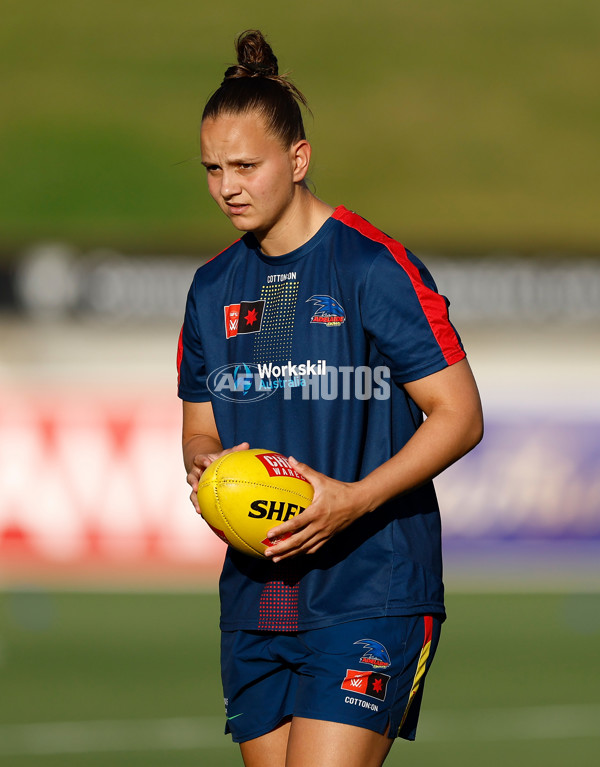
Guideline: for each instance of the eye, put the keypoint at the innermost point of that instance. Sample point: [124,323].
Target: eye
[247,165]
[212,168]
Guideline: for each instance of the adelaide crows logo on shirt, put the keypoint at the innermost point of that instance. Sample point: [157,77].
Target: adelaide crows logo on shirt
[329,311]
[245,317]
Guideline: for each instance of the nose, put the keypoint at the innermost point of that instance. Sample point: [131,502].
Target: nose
[230,185]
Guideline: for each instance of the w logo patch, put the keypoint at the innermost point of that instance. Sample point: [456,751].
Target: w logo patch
[245,317]
[369,683]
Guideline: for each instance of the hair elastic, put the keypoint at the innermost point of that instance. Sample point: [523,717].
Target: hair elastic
[259,69]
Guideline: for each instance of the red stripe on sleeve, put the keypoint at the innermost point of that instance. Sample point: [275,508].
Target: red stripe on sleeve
[433,304]
[179,354]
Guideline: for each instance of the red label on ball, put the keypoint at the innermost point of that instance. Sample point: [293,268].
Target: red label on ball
[273,541]
[277,465]
[218,532]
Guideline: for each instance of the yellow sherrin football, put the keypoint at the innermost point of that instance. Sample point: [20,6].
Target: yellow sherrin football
[243,495]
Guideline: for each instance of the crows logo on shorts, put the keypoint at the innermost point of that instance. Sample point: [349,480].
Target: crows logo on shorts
[374,654]
[369,683]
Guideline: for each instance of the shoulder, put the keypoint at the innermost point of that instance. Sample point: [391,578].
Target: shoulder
[367,241]
[217,266]
[376,250]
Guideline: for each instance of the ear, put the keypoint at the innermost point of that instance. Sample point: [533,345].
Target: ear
[300,155]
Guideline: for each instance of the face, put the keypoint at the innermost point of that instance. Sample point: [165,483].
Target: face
[251,177]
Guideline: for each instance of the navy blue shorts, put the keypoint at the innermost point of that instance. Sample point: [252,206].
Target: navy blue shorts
[368,673]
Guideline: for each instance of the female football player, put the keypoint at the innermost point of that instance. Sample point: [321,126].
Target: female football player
[327,641]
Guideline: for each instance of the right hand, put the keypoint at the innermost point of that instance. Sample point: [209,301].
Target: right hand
[201,462]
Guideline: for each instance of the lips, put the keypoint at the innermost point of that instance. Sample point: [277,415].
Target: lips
[237,208]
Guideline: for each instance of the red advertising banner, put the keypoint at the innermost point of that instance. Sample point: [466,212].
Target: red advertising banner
[97,483]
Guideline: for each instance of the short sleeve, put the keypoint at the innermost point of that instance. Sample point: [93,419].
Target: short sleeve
[191,369]
[406,318]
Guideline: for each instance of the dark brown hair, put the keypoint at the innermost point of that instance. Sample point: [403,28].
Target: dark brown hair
[254,84]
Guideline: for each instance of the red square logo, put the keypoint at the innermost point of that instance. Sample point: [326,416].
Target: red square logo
[356,681]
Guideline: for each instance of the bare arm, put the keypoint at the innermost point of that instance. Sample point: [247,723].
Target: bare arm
[454,425]
[201,443]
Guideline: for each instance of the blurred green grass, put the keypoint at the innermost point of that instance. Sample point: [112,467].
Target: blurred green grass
[455,126]
[68,657]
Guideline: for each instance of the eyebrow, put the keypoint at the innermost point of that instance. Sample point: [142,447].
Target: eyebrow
[236,161]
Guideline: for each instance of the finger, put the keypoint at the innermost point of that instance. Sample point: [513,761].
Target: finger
[314,477]
[299,534]
[283,543]
[288,528]
[194,474]
[282,547]
[287,542]
[307,546]
[299,522]
[203,461]
[194,500]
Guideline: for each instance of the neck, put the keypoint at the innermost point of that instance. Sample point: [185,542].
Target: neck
[303,219]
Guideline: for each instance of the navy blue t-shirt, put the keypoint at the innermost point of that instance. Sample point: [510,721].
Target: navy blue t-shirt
[306,354]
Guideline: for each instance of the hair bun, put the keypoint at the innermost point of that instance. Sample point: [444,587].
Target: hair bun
[255,54]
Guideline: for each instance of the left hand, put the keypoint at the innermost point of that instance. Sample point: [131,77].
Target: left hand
[335,505]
